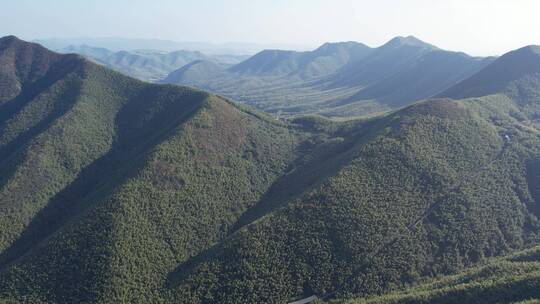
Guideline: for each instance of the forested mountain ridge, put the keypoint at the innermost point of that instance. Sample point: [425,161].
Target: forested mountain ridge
[115,190]
[511,83]
[80,159]
[317,243]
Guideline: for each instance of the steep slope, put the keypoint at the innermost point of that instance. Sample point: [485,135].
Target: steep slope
[427,76]
[516,73]
[434,190]
[87,51]
[23,66]
[108,172]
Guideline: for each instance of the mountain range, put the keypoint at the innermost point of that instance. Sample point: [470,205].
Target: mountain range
[131,44]
[147,65]
[117,190]
[337,79]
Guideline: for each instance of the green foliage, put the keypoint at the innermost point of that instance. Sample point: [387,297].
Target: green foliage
[386,178]
[512,279]
[114,190]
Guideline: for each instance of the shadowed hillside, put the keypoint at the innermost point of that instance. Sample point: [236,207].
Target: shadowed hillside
[115,190]
[90,147]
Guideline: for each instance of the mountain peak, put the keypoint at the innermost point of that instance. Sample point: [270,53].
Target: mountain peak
[330,45]
[25,62]
[8,40]
[511,69]
[345,46]
[17,45]
[535,49]
[408,41]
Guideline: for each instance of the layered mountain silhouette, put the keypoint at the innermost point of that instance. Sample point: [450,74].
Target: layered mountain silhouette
[386,60]
[337,79]
[116,190]
[322,61]
[516,71]
[146,65]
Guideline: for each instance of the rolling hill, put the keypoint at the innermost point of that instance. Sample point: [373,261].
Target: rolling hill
[305,65]
[195,72]
[130,44]
[116,190]
[146,65]
[337,79]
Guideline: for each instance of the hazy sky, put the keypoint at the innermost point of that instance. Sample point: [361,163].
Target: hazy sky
[479,27]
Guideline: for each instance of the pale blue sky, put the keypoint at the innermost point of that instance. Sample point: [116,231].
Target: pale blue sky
[479,27]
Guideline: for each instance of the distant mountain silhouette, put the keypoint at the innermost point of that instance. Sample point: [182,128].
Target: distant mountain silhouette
[424,77]
[322,61]
[518,71]
[338,79]
[146,64]
[195,72]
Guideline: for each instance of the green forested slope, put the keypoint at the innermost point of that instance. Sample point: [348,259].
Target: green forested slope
[513,279]
[335,230]
[124,173]
[114,190]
